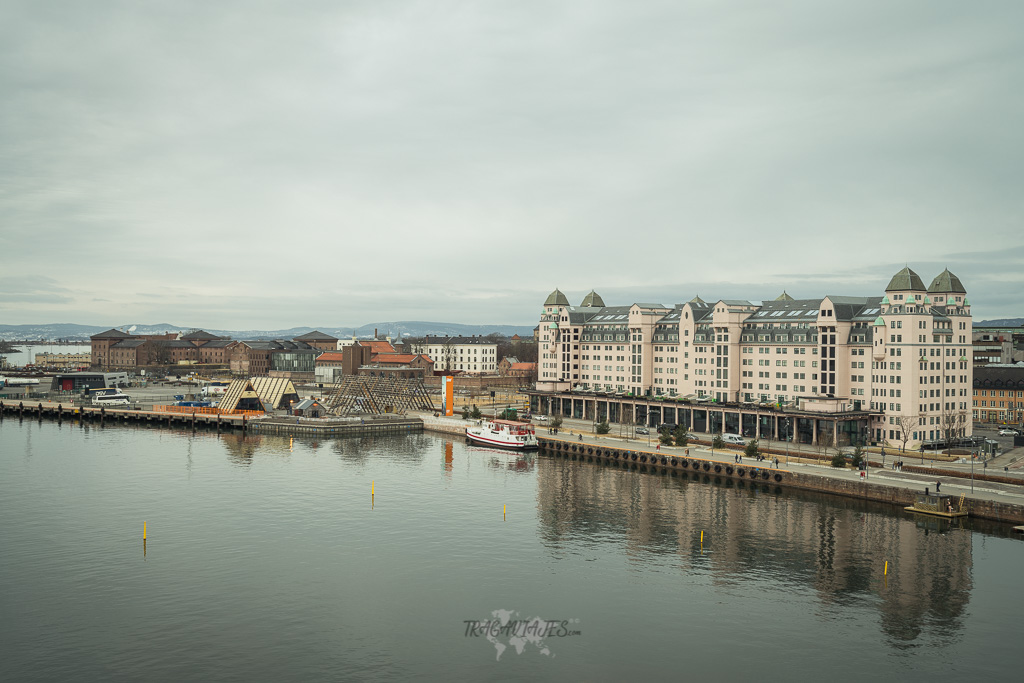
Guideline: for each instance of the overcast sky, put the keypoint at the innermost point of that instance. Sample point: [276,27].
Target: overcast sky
[261,164]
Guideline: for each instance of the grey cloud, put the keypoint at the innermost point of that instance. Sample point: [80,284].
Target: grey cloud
[463,159]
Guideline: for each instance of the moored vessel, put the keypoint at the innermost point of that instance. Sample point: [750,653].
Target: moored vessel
[504,434]
[938,505]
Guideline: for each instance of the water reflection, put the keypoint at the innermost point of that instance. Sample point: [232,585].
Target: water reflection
[752,533]
[241,448]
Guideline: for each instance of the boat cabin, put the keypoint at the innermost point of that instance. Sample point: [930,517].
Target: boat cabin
[937,504]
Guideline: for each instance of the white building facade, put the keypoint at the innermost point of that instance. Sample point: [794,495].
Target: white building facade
[905,356]
[468,355]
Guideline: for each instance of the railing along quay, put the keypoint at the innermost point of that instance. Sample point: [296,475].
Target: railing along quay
[329,427]
[647,461]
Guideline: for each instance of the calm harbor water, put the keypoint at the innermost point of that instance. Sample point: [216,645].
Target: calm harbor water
[267,559]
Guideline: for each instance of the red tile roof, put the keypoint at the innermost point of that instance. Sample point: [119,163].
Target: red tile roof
[330,357]
[377,346]
[397,358]
[522,366]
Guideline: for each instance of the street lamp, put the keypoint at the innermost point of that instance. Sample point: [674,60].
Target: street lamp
[974,457]
[787,440]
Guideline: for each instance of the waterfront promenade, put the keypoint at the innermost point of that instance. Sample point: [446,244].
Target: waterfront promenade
[804,467]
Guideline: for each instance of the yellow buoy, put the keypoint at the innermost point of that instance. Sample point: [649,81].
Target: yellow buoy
[143,531]
[886,568]
[504,508]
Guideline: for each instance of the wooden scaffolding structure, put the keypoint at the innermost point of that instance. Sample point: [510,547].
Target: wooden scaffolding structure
[355,394]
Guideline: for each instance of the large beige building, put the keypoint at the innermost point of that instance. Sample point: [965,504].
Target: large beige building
[901,360]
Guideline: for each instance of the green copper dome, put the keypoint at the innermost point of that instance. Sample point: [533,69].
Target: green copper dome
[947,282]
[905,280]
[879,321]
[556,298]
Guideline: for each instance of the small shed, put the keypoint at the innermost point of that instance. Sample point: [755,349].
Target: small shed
[309,407]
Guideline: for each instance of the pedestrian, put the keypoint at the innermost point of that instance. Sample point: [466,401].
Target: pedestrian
[937,484]
[926,490]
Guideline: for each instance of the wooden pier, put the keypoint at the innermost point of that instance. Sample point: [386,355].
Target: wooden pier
[103,415]
[205,419]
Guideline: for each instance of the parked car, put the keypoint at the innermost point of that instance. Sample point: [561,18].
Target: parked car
[1009,431]
[540,418]
[642,430]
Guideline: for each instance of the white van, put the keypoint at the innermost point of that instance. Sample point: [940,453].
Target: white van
[734,439]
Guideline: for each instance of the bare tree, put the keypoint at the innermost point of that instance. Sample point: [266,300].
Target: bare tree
[905,425]
[825,443]
[416,345]
[953,422]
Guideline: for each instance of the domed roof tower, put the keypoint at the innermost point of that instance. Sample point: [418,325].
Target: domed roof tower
[592,300]
[906,281]
[556,298]
[947,282]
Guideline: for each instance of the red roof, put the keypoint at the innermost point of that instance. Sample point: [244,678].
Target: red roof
[399,358]
[522,366]
[330,357]
[377,346]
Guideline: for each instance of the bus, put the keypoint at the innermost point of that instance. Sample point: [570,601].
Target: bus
[108,396]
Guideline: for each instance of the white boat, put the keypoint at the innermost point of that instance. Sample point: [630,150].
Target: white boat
[504,434]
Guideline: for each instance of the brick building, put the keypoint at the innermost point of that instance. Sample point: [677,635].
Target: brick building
[999,394]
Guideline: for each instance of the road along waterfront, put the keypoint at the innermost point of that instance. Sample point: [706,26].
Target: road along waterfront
[268,558]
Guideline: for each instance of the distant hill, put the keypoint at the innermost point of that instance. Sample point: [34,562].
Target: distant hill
[1001,322]
[394,329]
